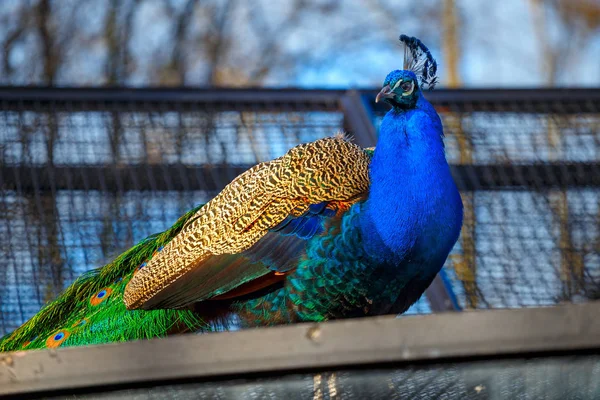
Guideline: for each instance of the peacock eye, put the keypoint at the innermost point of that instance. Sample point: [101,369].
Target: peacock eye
[406,86]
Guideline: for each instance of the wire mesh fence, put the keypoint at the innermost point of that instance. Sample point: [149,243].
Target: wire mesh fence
[527,379]
[85,174]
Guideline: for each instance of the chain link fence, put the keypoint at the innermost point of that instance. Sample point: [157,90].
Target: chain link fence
[85,174]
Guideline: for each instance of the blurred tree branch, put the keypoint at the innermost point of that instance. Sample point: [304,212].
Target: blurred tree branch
[14,36]
[117,34]
[578,18]
[450,43]
[176,70]
[236,43]
[212,42]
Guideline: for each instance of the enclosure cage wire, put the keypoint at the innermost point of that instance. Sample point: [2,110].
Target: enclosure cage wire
[537,378]
[80,186]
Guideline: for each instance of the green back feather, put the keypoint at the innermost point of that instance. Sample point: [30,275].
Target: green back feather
[84,318]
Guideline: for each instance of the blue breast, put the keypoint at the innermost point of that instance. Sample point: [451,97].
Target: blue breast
[413,215]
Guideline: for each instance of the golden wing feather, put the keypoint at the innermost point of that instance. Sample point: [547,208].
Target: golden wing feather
[330,169]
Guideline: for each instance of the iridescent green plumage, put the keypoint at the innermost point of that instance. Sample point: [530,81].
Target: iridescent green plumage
[108,321]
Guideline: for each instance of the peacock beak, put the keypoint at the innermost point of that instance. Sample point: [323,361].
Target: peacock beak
[385,93]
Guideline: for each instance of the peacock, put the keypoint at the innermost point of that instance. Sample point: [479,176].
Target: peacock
[327,231]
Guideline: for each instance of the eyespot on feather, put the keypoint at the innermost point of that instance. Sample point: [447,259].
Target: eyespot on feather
[57,338]
[27,343]
[79,323]
[100,296]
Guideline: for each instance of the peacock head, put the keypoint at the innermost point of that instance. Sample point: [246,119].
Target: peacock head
[400,90]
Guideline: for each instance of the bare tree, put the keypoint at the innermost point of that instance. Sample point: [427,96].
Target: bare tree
[212,42]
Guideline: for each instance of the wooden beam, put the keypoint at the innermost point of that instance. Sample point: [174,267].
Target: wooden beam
[111,178]
[367,342]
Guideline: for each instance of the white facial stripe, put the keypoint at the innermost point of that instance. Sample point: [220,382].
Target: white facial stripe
[397,84]
[412,88]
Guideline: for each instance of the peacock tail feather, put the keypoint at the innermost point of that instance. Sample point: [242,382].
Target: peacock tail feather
[91,310]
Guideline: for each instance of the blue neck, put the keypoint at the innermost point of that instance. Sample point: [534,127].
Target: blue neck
[412,192]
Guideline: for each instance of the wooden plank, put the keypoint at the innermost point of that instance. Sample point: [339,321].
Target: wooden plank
[343,343]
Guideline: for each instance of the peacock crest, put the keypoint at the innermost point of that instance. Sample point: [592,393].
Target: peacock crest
[418,59]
